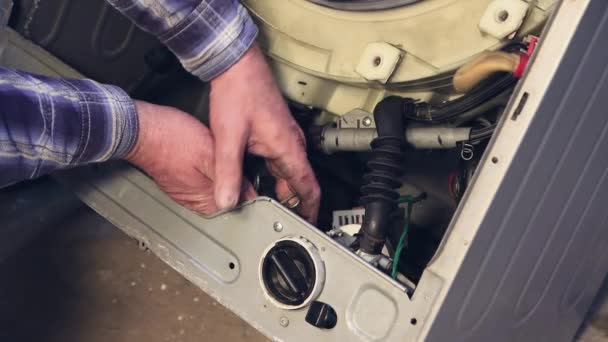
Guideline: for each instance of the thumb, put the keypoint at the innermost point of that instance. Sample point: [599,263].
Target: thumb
[230,143]
[248,193]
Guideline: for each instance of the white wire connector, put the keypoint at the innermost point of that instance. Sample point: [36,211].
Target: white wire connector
[346,217]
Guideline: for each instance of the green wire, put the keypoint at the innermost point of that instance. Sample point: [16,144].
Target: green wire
[410,201]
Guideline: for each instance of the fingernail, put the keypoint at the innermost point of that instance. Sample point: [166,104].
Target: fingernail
[226,200]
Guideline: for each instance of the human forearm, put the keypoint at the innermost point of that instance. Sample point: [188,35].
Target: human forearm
[47,124]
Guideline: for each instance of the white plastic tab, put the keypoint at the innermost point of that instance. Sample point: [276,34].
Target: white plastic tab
[503,17]
[378,62]
[347,217]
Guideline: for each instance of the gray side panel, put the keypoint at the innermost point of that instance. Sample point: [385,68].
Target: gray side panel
[541,252]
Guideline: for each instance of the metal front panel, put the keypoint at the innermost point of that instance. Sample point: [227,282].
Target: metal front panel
[539,254]
[222,254]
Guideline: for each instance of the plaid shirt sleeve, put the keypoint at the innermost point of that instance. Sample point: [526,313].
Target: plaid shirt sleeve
[48,124]
[208,36]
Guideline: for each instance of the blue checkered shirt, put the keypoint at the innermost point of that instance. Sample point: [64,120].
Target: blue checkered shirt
[48,124]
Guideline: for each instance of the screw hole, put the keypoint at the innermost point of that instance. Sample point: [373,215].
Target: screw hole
[377,61]
[142,245]
[494,160]
[413,321]
[231,265]
[502,16]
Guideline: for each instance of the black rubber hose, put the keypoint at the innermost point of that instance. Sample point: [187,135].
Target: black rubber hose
[380,193]
[478,134]
[440,113]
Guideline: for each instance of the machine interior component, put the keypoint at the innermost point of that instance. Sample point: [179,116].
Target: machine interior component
[394,111]
[321,315]
[415,114]
[292,273]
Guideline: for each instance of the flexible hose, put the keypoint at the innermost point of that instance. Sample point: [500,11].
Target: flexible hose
[380,193]
[440,113]
[478,134]
[483,66]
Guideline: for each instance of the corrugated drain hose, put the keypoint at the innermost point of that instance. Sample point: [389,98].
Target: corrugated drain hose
[381,183]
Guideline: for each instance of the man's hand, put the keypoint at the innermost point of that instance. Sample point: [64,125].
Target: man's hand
[249,113]
[177,151]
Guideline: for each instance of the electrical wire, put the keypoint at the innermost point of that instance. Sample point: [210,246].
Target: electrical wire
[484,92]
[410,200]
[444,80]
[442,112]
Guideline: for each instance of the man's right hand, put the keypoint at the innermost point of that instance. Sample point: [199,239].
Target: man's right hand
[248,114]
[177,151]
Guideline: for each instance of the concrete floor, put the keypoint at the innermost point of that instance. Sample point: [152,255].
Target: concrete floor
[84,280]
[81,279]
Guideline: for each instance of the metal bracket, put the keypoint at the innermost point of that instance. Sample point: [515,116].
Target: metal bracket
[357,118]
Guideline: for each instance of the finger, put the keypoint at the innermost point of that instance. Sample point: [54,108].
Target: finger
[288,197]
[248,193]
[295,170]
[204,206]
[283,191]
[199,198]
[230,140]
